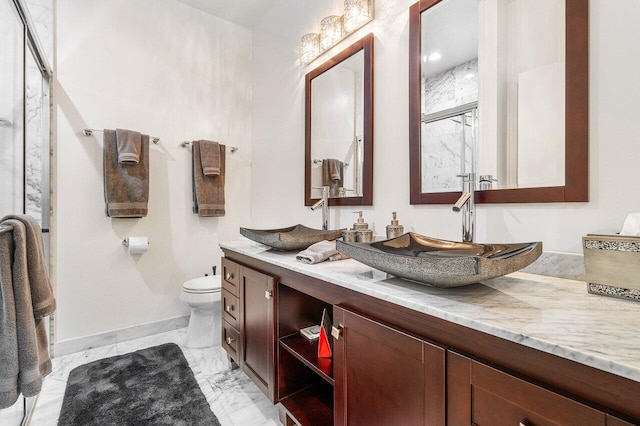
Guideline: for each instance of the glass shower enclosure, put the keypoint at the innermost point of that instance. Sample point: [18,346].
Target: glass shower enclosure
[25,106]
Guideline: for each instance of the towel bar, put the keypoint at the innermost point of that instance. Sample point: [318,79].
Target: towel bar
[231,148]
[320,162]
[89,132]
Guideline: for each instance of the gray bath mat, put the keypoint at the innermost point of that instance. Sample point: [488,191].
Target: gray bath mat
[153,386]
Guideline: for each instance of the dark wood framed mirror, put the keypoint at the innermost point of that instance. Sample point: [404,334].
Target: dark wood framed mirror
[339,127]
[569,76]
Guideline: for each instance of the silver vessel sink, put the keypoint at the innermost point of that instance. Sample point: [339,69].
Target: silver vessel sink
[297,237]
[441,263]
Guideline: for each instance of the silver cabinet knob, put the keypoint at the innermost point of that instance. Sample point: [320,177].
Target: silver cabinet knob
[336,332]
[230,340]
[229,308]
[268,294]
[228,276]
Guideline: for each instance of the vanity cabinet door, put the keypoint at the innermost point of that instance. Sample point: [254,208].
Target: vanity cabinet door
[257,327]
[384,376]
[484,396]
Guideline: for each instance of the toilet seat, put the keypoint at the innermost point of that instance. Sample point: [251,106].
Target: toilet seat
[209,284]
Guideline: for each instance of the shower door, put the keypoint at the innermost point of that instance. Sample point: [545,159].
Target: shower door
[24,119]
[25,131]
[11,110]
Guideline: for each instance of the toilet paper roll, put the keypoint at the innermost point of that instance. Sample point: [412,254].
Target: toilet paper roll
[631,225]
[138,245]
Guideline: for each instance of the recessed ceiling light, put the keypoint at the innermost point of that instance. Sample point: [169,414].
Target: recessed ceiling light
[435,56]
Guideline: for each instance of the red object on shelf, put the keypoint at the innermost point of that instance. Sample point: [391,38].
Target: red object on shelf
[324,348]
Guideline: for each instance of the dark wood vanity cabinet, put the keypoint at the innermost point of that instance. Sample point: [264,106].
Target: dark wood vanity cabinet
[480,395]
[257,292]
[395,366]
[384,376]
[248,326]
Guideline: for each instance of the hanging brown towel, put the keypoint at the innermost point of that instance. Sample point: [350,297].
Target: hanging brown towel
[332,175]
[26,297]
[129,143]
[126,185]
[208,191]
[210,158]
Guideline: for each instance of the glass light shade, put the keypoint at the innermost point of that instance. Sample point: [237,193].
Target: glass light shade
[330,31]
[309,47]
[356,13]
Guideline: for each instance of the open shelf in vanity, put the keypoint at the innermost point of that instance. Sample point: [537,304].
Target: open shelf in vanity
[305,381]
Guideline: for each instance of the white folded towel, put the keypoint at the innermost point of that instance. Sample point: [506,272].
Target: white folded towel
[631,225]
[319,252]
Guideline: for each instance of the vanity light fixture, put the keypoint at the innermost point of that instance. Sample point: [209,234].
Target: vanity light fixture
[335,28]
[435,56]
[356,14]
[331,31]
[309,47]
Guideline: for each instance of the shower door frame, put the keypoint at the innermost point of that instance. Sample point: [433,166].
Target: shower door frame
[33,46]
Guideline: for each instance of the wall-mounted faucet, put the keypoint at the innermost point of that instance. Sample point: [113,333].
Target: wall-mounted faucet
[324,202]
[466,203]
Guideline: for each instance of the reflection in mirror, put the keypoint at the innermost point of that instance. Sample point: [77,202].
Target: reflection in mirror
[339,127]
[449,93]
[510,78]
[523,100]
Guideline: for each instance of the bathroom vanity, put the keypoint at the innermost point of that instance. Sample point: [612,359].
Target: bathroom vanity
[521,349]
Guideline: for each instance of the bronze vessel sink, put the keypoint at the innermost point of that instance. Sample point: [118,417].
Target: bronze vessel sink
[442,263]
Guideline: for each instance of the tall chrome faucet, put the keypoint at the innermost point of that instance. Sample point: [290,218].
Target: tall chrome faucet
[324,202]
[466,203]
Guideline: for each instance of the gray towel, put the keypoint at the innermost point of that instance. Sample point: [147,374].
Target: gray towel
[333,175]
[129,146]
[210,158]
[208,191]
[318,252]
[126,186]
[24,355]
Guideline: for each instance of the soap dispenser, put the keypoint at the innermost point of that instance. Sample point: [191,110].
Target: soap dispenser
[395,229]
[363,233]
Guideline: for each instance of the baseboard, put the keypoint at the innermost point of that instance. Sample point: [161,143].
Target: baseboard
[84,343]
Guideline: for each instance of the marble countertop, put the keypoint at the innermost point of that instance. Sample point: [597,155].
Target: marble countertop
[551,314]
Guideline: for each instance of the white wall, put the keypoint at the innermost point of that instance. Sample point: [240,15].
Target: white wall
[163,68]
[278,129]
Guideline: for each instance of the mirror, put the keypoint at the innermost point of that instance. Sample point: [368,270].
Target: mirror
[499,88]
[339,127]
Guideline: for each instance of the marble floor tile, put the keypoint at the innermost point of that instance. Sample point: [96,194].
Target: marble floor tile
[232,396]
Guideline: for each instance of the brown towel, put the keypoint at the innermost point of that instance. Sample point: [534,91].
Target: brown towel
[129,145]
[24,355]
[332,175]
[126,186]
[210,158]
[208,191]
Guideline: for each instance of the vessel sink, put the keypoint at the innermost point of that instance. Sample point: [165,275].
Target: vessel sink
[442,263]
[297,237]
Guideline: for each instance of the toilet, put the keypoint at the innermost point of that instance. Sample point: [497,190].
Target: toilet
[202,295]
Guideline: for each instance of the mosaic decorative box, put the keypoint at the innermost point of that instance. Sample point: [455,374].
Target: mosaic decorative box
[612,265]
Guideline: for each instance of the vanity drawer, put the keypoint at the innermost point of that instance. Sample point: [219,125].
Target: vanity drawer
[484,396]
[230,276]
[230,308]
[230,340]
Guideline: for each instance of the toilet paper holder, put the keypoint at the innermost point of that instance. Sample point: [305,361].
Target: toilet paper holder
[125,242]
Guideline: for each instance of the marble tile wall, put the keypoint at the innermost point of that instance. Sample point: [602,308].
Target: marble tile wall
[442,140]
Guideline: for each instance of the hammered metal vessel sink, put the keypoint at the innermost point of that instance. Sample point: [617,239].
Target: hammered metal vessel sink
[297,237]
[441,263]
